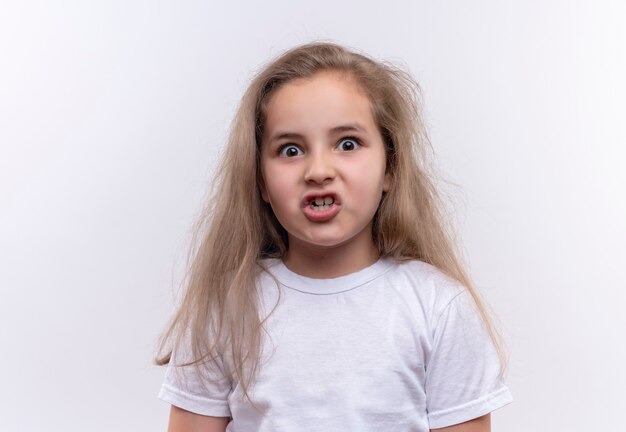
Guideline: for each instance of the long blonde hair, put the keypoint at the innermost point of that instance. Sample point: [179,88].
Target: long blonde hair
[237,228]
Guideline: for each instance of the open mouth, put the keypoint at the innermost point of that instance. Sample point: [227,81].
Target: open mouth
[321,207]
[322,203]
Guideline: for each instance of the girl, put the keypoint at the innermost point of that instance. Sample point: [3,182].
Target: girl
[325,293]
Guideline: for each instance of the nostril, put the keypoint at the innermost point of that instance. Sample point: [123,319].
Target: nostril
[318,178]
[319,170]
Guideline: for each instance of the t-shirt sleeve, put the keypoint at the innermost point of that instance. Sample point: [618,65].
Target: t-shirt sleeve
[462,369]
[201,390]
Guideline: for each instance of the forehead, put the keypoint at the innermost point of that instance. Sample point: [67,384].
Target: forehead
[321,102]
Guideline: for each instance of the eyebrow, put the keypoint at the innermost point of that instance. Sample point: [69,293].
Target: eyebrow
[352,127]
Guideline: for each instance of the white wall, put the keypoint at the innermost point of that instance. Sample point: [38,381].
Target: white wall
[111,117]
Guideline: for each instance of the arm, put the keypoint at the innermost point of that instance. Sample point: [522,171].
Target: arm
[480,424]
[186,421]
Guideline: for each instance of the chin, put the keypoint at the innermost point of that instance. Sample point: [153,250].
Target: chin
[326,241]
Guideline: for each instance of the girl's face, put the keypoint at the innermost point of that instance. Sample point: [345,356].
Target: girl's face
[323,165]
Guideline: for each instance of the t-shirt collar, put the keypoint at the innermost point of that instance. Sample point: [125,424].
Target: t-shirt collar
[309,285]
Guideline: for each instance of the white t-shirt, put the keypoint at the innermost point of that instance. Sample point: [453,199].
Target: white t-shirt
[397,346]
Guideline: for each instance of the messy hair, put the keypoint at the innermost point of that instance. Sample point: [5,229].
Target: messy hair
[237,228]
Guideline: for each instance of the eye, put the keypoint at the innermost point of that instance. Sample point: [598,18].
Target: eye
[348,144]
[290,150]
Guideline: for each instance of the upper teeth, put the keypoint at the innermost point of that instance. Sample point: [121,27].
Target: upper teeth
[321,201]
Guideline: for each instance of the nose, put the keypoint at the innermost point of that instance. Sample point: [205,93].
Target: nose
[320,169]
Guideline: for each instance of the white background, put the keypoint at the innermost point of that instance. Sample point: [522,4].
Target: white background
[112,114]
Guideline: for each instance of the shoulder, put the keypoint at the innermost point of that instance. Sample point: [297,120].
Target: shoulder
[266,268]
[433,289]
[424,277]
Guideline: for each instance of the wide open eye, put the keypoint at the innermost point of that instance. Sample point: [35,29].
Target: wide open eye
[290,150]
[348,144]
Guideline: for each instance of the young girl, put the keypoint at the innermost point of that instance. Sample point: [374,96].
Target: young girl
[325,293]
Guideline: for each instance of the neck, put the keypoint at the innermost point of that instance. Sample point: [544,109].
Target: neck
[329,262]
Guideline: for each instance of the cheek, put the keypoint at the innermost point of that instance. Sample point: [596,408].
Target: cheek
[268,183]
[367,193]
[369,180]
[277,192]
[280,182]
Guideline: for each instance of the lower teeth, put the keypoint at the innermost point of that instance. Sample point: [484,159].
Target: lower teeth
[320,207]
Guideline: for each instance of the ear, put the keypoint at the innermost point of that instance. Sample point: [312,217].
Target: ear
[264,195]
[387,182]
[263,190]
